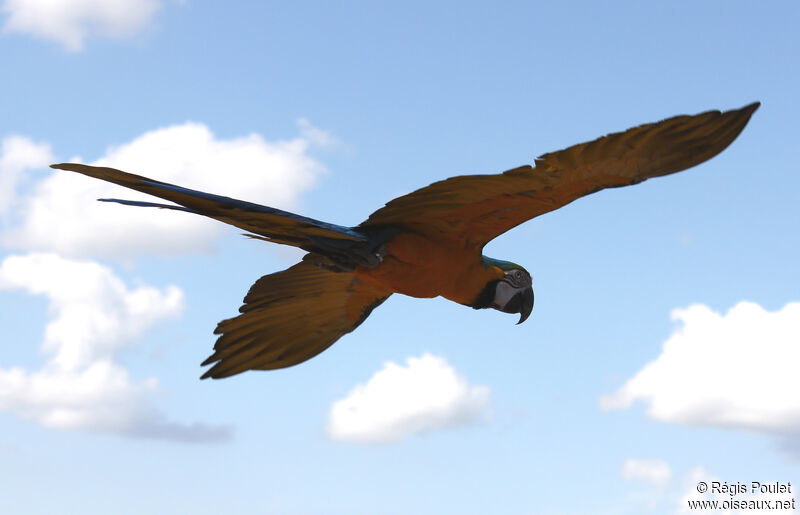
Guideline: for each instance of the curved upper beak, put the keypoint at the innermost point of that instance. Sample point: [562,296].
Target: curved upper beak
[526,304]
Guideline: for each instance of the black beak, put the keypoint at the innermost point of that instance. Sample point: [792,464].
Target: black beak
[526,304]
[521,303]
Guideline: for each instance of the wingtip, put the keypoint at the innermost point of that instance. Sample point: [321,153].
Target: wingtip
[751,108]
[208,373]
[72,167]
[213,372]
[742,117]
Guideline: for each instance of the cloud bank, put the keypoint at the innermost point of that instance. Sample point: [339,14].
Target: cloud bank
[18,155]
[737,370]
[398,401]
[61,213]
[70,22]
[94,315]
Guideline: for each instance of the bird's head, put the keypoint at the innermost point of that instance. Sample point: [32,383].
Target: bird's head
[511,294]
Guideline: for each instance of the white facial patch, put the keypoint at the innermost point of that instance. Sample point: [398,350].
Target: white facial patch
[503,294]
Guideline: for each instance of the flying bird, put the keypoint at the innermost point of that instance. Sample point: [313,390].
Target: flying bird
[425,244]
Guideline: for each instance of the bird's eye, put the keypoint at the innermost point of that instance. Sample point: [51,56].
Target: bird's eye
[518,275]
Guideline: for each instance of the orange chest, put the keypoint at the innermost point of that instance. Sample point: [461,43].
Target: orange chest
[419,267]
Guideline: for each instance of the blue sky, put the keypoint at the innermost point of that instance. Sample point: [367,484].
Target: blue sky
[663,348]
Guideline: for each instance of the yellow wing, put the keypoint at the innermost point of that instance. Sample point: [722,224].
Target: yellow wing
[471,210]
[289,317]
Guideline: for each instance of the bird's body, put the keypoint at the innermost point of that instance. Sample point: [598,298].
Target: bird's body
[425,244]
[418,266]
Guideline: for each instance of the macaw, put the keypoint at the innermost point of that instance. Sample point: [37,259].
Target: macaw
[425,244]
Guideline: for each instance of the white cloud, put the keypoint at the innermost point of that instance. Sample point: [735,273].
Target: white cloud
[94,315]
[70,22]
[61,214]
[655,472]
[425,395]
[315,135]
[737,370]
[17,155]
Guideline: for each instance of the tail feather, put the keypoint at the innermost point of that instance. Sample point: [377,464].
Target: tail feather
[147,204]
[271,224]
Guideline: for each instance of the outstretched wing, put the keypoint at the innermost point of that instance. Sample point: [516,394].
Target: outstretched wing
[471,210]
[273,224]
[289,317]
